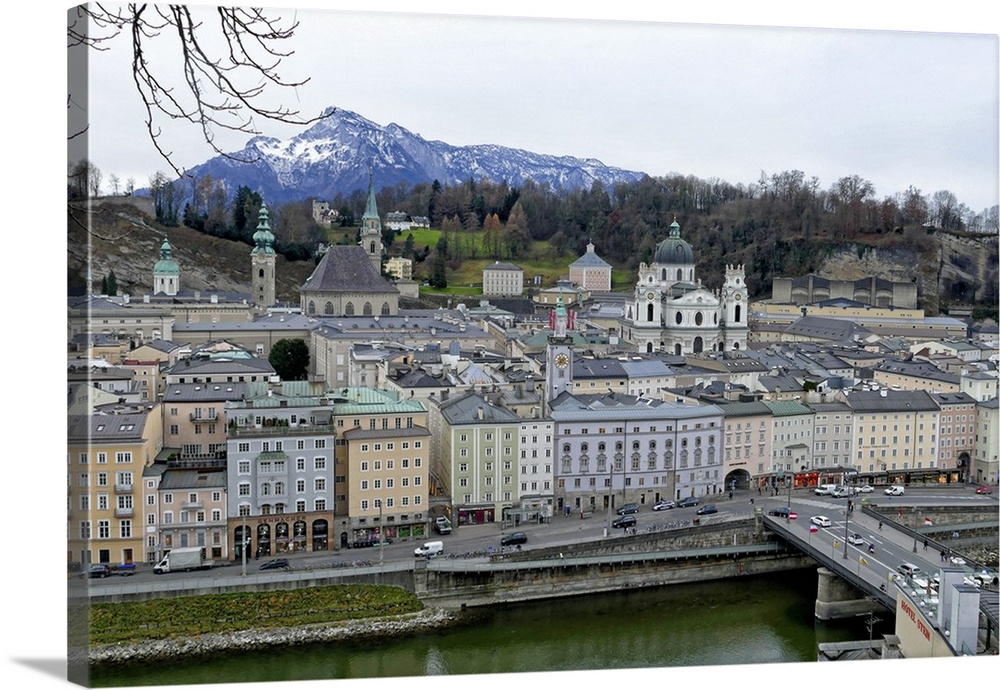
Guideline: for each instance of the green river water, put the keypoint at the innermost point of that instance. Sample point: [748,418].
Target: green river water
[754,620]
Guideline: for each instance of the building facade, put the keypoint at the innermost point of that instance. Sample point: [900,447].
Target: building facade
[501,279]
[591,272]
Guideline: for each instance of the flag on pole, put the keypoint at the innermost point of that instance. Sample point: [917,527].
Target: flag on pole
[862,561]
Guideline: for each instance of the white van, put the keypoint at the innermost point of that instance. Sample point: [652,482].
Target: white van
[895,490]
[429,549]
[825,489]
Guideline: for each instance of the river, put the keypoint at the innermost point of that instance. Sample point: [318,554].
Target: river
[754,620]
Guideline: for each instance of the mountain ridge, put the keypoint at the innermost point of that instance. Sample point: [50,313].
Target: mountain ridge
[334,155]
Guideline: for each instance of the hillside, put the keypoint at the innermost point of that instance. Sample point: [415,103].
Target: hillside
[121,235]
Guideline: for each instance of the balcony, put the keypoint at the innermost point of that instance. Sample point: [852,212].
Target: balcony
[124,512]
[253,431]
[196,505]
[124,488]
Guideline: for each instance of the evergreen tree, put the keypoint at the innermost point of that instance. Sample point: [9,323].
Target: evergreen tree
[111,285]
[290,359]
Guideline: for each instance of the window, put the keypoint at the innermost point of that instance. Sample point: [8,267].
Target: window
[103,529]
[319,484]
[319,463]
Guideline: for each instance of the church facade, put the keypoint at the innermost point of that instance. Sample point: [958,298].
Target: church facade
[671,311]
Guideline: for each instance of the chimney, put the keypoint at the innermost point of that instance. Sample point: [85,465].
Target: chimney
[479,412]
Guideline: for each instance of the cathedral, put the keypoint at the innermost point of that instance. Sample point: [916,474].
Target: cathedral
[670,311]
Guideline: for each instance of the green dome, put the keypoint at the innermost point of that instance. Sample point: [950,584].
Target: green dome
[673,250]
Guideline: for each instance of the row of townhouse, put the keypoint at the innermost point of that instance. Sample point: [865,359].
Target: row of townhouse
[276,469]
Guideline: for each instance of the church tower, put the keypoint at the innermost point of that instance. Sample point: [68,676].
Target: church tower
[166,272]
[262,259]
[371,228]
[559,355]
[735,306]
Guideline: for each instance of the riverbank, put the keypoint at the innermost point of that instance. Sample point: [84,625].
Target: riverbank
[245,641]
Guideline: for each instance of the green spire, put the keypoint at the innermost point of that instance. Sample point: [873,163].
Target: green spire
[675,228]
[371,210]
[263,237]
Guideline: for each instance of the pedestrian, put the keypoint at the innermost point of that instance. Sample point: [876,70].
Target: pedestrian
[942,555]
[758,491]
[925,544]
[879,525]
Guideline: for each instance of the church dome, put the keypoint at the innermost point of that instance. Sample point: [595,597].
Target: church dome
[673,250]
[166,264]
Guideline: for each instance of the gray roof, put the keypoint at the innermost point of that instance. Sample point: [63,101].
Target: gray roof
[357,433]
[466,410]
[922,370]
[598,368]
[646,367]
[953,398]
[221,365]
[193,479]
[616,406]
[590,260]
[891,401]
[346,268]
[501,266]
[826,328]
[745,409]
[193,392]
[99,428]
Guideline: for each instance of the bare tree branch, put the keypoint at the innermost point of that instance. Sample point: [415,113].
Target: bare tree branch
[224,88]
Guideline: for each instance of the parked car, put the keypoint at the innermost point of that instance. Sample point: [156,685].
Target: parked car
[820,520]
[856,539]
[275,564]
[629,509]
[98,570]
[664,505]
[513,539]
[707,509]
[688,502]
[864,489]
[907,569]
[624,521]
[782,511]
[984,489]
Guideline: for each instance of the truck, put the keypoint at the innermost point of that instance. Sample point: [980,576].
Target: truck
[442,525]
[184,558]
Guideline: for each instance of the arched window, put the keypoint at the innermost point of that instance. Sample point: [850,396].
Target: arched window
[699,345]
[367,309]
[312,307]
[371,247]
[698,318]
[663,275]
[566,448]
[328,308]
[649,347]
[260,273]
[738,312]
[601,447]
[349,309]
[385,308]
[649,312]
[677,349]
[584,447]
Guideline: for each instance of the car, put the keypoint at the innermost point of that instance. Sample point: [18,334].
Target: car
[842,492]
[629,509]
[820,520]
[98,570]
[514,539]
[624,521]
[781,511]
[865,489]
[688,502]
[984,490]
[275,564]
[707,509]
[896,490]
[856,539]
[664,505]
[907,569]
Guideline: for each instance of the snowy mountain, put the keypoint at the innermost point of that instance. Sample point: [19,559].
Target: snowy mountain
[333,156]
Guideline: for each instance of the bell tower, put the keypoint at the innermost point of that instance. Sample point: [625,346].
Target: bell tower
[262,260]
[559,355]
[735,308]
[371,228]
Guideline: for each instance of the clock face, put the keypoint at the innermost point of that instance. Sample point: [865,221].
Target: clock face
[562,361]
[739,296]
[650,295]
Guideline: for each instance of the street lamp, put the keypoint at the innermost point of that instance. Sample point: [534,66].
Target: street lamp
[243,547]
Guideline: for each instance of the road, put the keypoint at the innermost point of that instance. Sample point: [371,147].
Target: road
[890,549]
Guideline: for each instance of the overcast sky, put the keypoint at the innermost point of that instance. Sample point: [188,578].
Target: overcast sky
[897,108]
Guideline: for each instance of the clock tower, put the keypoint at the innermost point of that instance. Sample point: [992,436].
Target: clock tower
[734,302]
[559,355]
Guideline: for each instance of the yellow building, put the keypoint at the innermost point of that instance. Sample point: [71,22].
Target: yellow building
[106,454]
[382,462]
[896,434]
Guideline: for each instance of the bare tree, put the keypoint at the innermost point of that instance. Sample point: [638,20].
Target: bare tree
[221,88]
